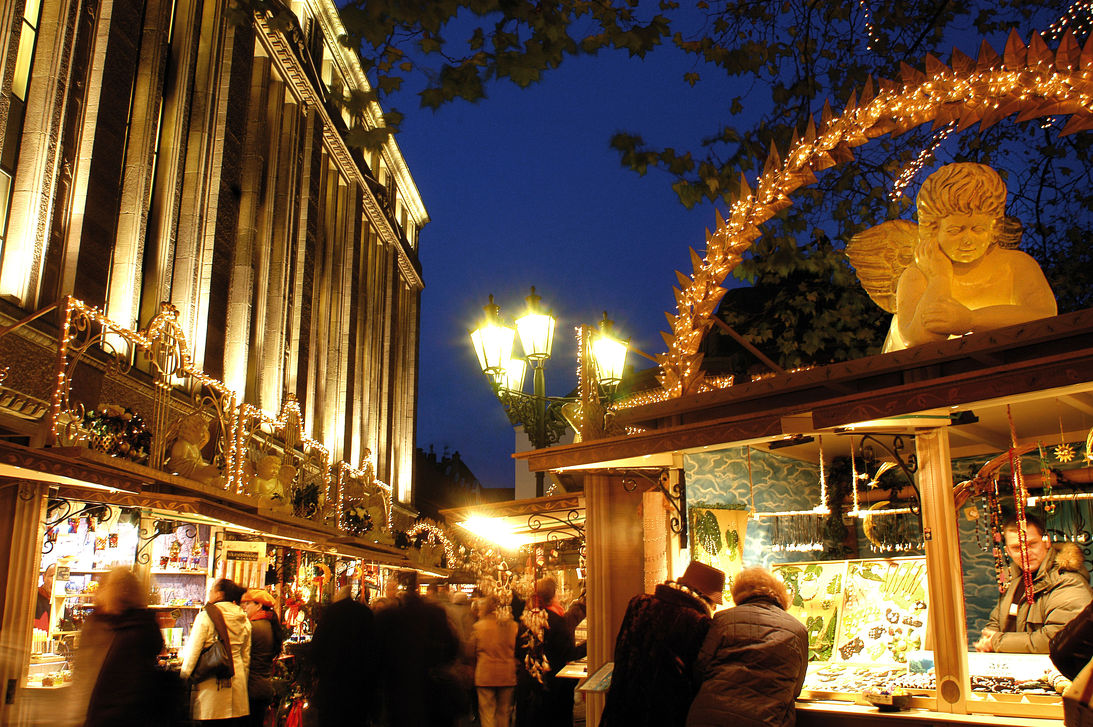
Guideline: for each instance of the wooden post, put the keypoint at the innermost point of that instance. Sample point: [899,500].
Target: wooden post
[615,556]
[22,507]
[946,617]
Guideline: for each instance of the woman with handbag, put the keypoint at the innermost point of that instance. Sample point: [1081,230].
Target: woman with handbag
[218,670]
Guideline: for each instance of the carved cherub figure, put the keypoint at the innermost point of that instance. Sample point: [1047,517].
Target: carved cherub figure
[186,459]
[956,271]
[267,486]
[286,477]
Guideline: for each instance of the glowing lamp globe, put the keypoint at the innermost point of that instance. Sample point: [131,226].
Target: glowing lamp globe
[609,354]
[536,330]
[492,341]
[512,378]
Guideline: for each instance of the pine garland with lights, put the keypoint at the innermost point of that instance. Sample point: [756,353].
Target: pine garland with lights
[118,431]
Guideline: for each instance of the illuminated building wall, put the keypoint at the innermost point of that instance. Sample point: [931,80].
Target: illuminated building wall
[154,150]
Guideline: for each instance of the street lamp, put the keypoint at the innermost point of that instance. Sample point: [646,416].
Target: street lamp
[540,415]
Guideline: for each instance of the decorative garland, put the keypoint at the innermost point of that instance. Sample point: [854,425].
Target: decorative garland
[1027,80]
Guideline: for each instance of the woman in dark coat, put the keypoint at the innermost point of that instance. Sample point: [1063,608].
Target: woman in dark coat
[116,669]
[265,645]
[752,664]
[544,644]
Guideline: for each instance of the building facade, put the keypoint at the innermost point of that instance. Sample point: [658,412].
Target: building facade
[185,235]
[170,151]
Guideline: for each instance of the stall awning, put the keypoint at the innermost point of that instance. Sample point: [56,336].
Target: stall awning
[84,474]
[536,520]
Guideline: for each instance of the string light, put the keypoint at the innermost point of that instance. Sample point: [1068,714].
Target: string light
[1031,79]
[1078,18]
[868,25]
[911,170]
[239,418]
[436,535]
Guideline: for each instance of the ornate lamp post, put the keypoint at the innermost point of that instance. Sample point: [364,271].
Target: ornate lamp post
[540,415]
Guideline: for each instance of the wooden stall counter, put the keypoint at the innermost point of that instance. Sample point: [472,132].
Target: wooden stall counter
[841,714]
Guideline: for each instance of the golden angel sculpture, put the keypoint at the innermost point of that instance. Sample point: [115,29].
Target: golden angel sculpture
[957,271]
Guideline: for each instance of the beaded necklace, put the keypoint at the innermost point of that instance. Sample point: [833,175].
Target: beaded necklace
[1020,500]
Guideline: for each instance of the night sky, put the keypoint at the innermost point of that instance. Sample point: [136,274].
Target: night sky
[523,189]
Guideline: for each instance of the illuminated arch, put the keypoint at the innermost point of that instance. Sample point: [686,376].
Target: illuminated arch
[1029,81]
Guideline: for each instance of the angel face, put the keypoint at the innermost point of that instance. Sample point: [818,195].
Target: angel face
[965,238]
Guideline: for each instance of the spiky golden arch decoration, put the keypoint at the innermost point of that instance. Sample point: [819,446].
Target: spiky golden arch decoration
[1030,81]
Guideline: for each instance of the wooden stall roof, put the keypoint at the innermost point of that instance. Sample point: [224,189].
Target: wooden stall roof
[80,473]
[1053,356]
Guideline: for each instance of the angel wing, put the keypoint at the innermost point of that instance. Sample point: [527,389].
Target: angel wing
[879,256]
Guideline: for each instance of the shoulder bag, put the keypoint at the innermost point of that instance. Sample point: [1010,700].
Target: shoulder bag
[215,659]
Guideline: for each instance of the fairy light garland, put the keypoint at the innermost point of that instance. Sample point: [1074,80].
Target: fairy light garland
[864,6]
[436,535]
[1078,19]
[236,414]
[911,170]
[1027,79]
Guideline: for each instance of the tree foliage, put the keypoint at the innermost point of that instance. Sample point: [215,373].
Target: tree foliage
[787,58]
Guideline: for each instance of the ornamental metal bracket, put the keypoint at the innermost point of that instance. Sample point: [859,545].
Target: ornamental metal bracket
[99,511]
[908,465]
[566,529]
[159,527]
[676,494]
[532,412]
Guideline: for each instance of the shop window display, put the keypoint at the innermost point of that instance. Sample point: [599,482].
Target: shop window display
[858,584]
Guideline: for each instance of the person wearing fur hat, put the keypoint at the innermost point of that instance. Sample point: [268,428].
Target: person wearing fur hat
[752,664]
[1060,590]
[265,645]
[654,681]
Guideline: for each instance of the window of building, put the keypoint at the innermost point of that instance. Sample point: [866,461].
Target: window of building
[9,155]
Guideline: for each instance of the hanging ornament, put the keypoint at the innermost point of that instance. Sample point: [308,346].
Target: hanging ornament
[1064,452]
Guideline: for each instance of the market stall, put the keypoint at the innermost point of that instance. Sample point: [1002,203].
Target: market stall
[745,465]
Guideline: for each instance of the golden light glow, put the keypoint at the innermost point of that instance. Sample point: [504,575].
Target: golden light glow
[512,374]
[492,340]
[496,531]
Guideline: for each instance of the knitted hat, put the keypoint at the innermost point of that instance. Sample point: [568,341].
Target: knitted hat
[705,579]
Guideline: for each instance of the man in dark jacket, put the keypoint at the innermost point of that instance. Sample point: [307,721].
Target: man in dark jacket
[753,662]
[342,651]
[654,682]
[1060,587]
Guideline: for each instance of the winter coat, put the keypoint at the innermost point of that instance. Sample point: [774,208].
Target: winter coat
[546,703]
[419,648]
[263,650]
[493,644]
[344,654]
[1061,588]
[1072,646]
[752,666]
[116,665]
[653,682]
[210,701]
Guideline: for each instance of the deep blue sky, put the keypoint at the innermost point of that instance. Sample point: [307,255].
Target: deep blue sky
[523,189]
